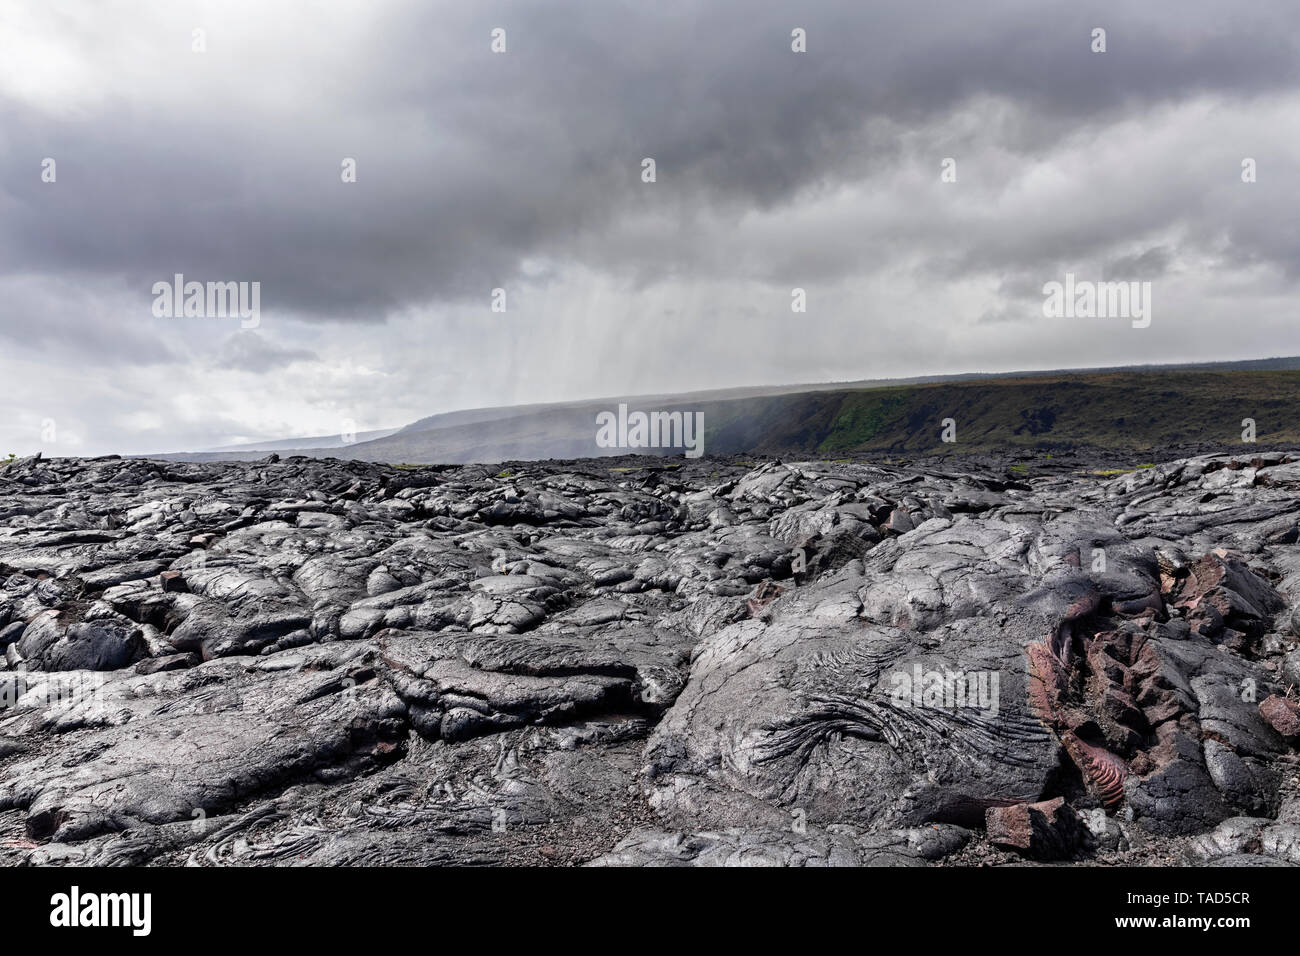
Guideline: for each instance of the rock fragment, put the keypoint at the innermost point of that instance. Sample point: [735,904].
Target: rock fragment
[1050,830]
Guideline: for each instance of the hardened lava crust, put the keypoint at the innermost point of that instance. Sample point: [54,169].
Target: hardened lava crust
[633,661]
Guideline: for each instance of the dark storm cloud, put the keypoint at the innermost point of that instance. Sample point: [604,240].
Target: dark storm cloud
[59,318]
[470,162]
[1150,264]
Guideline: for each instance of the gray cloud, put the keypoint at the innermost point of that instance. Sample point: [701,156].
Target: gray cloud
[250,352]
[522,171]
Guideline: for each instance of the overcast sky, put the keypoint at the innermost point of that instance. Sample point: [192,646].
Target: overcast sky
[522,170]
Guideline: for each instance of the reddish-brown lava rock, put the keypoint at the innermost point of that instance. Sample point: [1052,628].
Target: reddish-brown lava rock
[1282,713]
[1220,592]
[1050,830]
[1104,771]
[765,594]
[1048,683]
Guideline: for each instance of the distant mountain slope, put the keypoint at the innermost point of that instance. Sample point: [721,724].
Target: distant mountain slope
[1117,410]
[283,444]
[1132,408]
